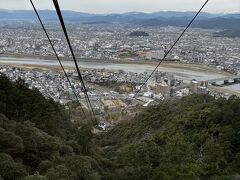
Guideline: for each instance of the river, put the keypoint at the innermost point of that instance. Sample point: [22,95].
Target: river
[235,86]
[181,73]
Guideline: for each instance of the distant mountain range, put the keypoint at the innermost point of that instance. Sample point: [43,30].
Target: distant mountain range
[162,18]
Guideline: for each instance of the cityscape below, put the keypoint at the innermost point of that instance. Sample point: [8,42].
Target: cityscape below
[116,59]
[133,95]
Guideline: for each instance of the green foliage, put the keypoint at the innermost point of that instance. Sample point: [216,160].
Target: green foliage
[9,169]
[178,160]
[84,137]
[19,103]
[35,177]
[58,172]
[138,33]
[10,142]
[196,137]
[36,135]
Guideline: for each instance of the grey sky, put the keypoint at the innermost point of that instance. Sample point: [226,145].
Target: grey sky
[109,6]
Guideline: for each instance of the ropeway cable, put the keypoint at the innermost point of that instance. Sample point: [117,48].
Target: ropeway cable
[166,54]
[54,50]
[75,61]
[55,2]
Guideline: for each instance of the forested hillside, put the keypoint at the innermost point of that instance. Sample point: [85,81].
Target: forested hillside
[196,137]
[38,141]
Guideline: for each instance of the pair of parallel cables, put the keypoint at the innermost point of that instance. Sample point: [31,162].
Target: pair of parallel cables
[92,114]
[79,73]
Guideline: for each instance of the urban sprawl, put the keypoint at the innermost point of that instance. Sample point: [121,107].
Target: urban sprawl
[111,92]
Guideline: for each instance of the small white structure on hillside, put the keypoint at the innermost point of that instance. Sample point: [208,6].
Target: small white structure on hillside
[148,103]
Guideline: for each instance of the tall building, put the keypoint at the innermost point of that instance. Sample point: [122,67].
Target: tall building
[151,83]
[164,89]
[194,86]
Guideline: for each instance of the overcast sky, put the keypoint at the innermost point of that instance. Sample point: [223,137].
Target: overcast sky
[119,6]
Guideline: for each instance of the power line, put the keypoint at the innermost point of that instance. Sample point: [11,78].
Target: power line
[74,58]
[166,54]
[54,50]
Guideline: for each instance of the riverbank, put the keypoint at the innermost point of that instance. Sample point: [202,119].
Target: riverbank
[185,72]
[225,90]
[166,64]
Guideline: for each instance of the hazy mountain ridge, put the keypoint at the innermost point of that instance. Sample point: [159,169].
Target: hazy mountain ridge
[49,14]
[210,23]
[162,18]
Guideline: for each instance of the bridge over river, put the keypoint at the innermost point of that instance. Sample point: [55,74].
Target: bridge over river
[225,80]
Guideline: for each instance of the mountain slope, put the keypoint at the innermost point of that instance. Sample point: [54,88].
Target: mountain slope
[162,18]
[38,141]
[197,137]
[50,14]
[19,103]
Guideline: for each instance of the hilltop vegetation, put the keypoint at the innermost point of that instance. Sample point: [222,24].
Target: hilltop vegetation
[37,139]
[228,33]
[196,137]
[138,34]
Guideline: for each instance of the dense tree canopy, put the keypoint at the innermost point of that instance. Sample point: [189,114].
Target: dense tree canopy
[196,137]
[37,139]
[19,103]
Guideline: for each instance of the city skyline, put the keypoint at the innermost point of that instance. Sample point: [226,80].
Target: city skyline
[117,6]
